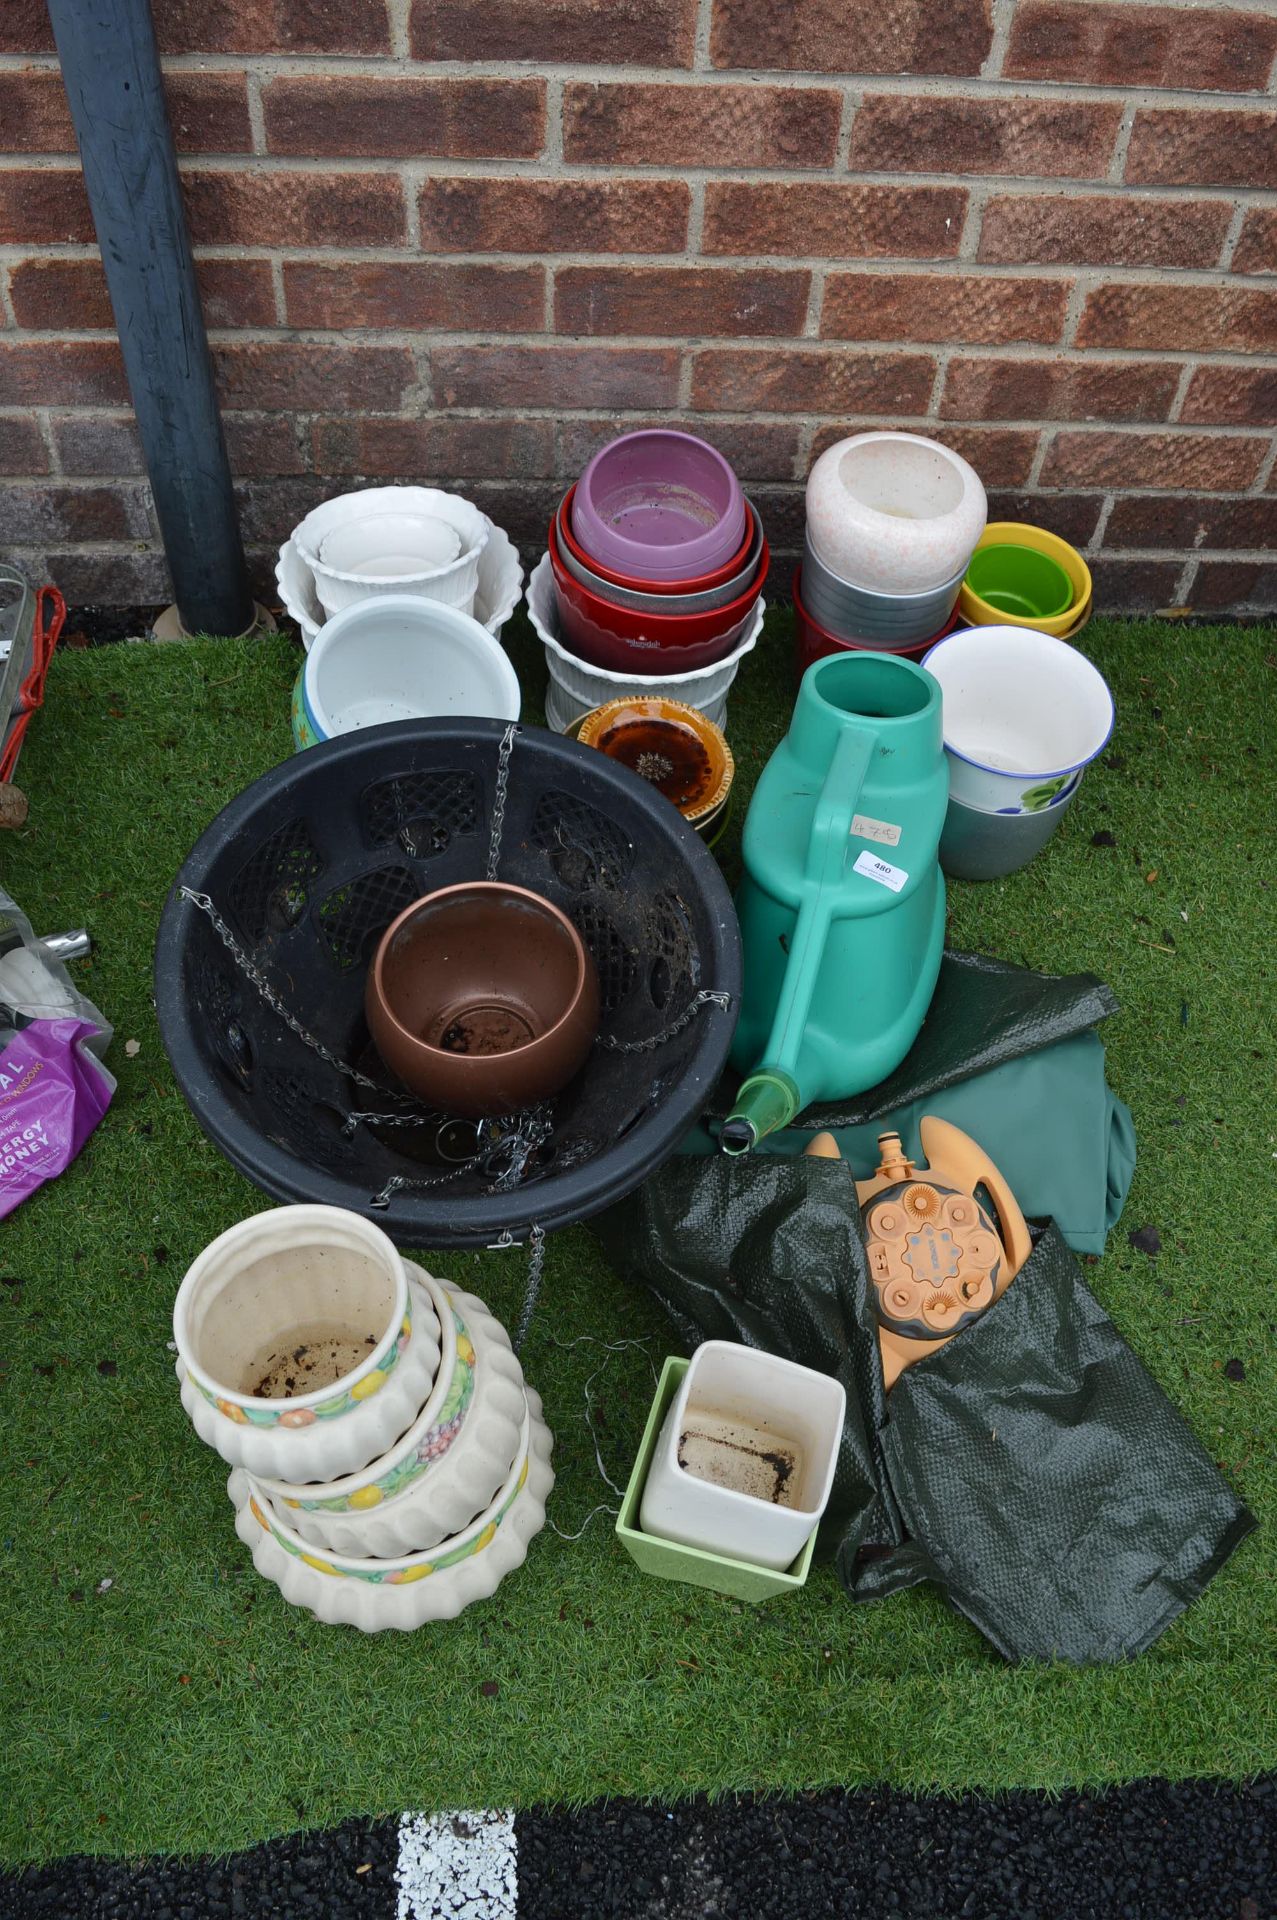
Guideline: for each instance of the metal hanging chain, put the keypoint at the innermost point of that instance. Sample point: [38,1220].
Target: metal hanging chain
[532,1286]
[517,1136]
[707,997]
[499,799]
[254,973]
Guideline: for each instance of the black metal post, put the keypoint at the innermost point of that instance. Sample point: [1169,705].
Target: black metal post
[111,67]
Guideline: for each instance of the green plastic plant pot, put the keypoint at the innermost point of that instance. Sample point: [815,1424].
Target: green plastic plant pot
[1020,581]
[740,1579]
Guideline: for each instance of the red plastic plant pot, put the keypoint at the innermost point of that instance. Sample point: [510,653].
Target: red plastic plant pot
[605,635]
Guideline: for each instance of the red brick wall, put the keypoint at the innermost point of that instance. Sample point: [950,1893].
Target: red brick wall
[464,240]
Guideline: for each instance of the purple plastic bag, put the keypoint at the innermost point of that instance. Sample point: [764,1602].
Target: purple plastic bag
[53,1086]
[52,1095]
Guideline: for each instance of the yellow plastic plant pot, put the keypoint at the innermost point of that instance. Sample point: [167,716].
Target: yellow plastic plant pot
[979,613]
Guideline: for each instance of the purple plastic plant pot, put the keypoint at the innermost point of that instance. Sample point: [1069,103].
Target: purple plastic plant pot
[700,601]
[659,505]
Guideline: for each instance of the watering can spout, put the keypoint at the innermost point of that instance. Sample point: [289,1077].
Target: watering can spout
[767,1101]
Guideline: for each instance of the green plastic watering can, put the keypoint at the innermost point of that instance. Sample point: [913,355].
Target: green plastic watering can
[842,905]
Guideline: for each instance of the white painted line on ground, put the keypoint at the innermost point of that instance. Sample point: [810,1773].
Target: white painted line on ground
[457,1866]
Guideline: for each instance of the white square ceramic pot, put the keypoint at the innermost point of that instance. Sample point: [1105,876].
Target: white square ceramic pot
[746,1456]
[1023,714]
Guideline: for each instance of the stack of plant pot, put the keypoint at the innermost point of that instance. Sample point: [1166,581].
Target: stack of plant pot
[653,579]
[389,1463]
[892,522]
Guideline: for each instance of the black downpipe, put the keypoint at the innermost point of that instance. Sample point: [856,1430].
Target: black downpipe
[111,68]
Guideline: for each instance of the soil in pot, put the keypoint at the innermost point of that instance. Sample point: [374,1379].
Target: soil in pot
[729,1452]
[313,1357]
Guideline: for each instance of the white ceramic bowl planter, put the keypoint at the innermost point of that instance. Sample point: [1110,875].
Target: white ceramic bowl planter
[446,1468]
[406,1592]
[745,1459]
[400,658]
[577,688]
[452,583]
[303,1350]
[1023,714]
[893,512]
[497,593]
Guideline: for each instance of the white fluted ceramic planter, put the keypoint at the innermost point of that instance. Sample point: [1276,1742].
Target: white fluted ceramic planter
[452,585]
[449,1465]
[497,593]
[406,1593]
[273,1283]
[894,512]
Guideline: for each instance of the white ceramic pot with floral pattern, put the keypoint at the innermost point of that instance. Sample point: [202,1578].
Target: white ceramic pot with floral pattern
[303,1352]
[449,1464]
[408,1591]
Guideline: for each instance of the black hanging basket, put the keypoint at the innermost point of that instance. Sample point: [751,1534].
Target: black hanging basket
[309,865]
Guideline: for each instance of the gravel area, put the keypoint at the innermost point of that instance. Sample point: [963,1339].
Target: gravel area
[1150,1851]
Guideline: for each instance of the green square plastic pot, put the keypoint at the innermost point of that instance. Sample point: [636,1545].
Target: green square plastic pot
[668,1561]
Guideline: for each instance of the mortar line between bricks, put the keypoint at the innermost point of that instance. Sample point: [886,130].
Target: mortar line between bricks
[415,179]
[702,59]
[1176,408]
[773,345]
[1096,540]
[695,220]
[849,107]
[969,238]
[1045,441]
[1079,293]
[552,151]
[1260,482]
[398,12]
[718,417]
[1003,12]
[277,289]
[386,66]
[815,304]
[6,302]
[938,385]
[256,115]
[1232,236]
[1184,581]
[290,334]
[524,167]
[1125,127]
[44,422]
[400,253]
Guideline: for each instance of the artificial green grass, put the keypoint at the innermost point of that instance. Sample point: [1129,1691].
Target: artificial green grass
[186,1707]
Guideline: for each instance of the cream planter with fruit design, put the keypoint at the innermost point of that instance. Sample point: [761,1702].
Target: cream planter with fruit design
[446,1468]
[407,1592]
[303,1351]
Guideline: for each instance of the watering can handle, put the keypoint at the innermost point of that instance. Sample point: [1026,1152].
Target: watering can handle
[828,850]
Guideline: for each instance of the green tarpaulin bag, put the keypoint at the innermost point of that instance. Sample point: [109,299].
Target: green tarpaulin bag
[1032,1468]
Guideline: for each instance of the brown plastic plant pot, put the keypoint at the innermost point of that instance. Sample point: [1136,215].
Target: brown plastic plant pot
[483,999]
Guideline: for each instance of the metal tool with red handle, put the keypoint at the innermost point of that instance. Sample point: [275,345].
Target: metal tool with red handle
[936,1257]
